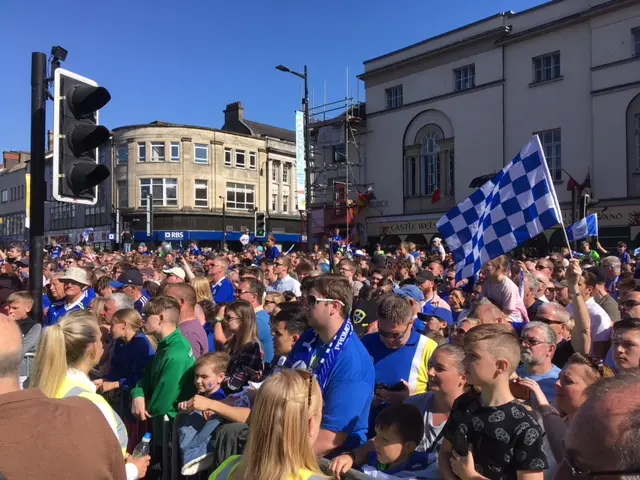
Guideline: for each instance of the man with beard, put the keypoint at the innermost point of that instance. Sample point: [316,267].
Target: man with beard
[538,342]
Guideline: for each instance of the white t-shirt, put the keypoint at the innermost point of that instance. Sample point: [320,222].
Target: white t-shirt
[600,321]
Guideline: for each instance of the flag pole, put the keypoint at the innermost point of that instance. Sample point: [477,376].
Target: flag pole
[553,194]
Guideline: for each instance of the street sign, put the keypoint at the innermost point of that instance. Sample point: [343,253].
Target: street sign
[379,203]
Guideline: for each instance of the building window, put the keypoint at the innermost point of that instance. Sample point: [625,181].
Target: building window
[551,143]
[285,203]
[240,196]
[253,160]
[227,157]
[142,152]
[274,202]
[636,42]
[201,153]
[430,162]
[163,190]
[62,216]
[240,159]
[339,153]
[546,67]
[123,195]
[637,141]
[5,196]
[123,154]
[95,215]
[411,183]
[394,96]
[157,151]
[202,194]
[285,173]
[465,77]
[175,151]
[275,173]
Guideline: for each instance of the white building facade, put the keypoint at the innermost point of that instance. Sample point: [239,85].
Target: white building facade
[460,105]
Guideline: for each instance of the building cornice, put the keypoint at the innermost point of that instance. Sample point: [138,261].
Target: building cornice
[495,32]
[564,22]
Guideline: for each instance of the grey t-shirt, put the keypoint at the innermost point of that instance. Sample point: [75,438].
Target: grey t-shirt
[431,432]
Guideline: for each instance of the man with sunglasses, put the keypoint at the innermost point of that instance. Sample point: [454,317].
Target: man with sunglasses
[344,369]
[400,354]
[603,439]
[538,347]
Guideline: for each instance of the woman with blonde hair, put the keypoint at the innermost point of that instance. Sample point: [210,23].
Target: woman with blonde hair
[67,352]
[203,289]
[284,424]
[247,357]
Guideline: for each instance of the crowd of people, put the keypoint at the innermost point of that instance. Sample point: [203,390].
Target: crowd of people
[266,362]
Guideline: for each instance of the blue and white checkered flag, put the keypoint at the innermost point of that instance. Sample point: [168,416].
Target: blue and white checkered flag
[587,227]
[516,205]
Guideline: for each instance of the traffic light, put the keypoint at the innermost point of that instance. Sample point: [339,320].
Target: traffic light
[76,138]
[260,224]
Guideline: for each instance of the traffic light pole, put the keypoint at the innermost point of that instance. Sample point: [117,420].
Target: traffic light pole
[38,184]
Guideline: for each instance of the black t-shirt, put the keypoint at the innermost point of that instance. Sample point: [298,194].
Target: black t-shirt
[504,439]
[564,350]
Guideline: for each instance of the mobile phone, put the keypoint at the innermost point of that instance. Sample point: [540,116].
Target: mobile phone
[460,443]
[519,391]
[237,381]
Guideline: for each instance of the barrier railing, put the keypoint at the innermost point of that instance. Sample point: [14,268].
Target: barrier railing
[350,475]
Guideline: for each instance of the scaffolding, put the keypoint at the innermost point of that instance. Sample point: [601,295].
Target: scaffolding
[338,158]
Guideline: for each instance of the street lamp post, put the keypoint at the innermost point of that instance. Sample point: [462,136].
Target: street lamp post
[224,221]
[307,157]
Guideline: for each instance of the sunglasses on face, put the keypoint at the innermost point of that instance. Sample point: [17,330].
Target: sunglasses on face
[531,342]
[548,321]
[312,300]
[630,304]
[228,319]
[541,267]
[394,335]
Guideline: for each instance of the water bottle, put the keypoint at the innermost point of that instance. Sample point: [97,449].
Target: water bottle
[142,450]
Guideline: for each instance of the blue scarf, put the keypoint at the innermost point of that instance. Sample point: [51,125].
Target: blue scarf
[310,354]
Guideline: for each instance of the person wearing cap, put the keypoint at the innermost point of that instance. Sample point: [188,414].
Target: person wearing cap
[426,280]
[602,297]
[175,275]
[439,320]
[76,283]
[412,294]
[130,283]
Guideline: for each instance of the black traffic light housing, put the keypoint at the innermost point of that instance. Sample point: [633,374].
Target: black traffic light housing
[260,224]
[76,138]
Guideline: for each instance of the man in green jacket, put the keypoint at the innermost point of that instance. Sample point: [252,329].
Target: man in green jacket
[169,378]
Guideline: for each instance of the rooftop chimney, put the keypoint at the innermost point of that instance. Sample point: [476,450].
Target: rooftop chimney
[234,113]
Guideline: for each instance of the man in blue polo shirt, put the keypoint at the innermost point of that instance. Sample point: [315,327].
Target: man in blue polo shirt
[400,354]
[222,288]
[334,353]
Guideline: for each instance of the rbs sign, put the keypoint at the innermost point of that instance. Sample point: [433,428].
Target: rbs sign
[174,235]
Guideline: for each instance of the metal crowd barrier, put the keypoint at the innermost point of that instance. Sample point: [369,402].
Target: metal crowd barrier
[350,475]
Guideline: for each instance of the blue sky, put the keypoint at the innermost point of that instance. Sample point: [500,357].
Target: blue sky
[184,61]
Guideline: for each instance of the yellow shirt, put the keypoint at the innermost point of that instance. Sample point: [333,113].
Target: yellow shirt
[228,467]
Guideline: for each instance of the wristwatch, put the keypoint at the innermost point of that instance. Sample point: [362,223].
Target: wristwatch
[217,320]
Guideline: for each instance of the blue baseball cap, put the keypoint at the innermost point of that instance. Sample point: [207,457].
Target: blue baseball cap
[440,313]
[410,291]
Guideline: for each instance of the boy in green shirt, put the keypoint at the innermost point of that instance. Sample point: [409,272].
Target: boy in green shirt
[168,379]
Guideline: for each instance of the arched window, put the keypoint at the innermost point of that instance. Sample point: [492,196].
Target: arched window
[430,160]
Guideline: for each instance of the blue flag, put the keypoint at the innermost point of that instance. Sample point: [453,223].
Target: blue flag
[587,227]
[513,207]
